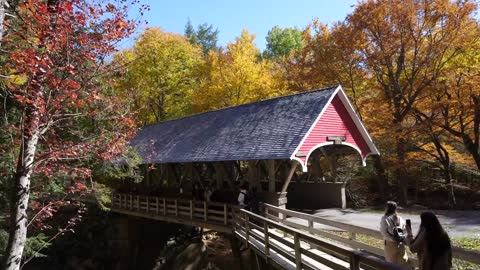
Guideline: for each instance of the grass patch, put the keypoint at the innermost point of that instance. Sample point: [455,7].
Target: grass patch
[468,243]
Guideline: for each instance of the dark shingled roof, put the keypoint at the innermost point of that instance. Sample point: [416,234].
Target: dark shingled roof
[268,129]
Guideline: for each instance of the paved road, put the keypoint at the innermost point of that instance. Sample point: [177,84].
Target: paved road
[457,223]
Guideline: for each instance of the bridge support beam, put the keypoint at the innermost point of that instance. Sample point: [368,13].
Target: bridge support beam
[253,175]
[271,175]
[293,167]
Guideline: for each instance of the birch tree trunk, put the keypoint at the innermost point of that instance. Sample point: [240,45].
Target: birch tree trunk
[19,205]
[3,6]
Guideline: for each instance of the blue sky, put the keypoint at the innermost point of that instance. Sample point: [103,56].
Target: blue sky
[230,17]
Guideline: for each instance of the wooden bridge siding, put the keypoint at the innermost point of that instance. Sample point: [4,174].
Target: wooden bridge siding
[211,215]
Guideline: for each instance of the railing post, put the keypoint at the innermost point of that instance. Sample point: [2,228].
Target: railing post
[156,205]
[191,209]
[176,208]
[310,224]
[282,221]
[265,234]
[205,211]
[164,206]
[247,228]
[352,235]
[234,219]
[148,204]
[138,203]
[131,202]
[354,263]
[283,217]
[225,214]
[298,252]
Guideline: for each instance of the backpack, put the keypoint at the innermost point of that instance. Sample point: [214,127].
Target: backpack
[398,233]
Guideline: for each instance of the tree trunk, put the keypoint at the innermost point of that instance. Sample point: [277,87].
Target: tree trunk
[402,182]
[448,179]
[472,148]
[3,7]
[382,178]
[18,215]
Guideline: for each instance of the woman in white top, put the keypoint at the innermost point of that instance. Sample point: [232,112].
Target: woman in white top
[242,196]
[395,251]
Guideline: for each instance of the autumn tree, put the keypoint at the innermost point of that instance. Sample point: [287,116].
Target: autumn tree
[204,36]
[236,76]
[405,46]
[161,75]
[458,107]
[67,112]
[448,116]
[433,147]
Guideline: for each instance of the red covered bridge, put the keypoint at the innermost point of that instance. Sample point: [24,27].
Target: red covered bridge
[263,143]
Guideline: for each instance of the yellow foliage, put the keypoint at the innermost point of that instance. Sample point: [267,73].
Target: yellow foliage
[236,76]
[161,75]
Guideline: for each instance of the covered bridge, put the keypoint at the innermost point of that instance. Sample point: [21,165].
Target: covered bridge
[267,143]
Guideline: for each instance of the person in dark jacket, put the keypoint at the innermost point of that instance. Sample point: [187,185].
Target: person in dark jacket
[431,244]
[253,200]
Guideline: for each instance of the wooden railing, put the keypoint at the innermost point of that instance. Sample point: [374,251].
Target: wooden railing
[274,240]
[199,213]
[307,223]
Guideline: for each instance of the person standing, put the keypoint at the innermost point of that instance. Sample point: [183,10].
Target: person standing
[253,202]
[243,196]
[432,244]
[392,227]
[208,193]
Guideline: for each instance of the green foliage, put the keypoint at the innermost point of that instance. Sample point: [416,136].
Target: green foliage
[205,36]
[103,195]
[127,167]
[32,247]
[283,42]
[107,176]
[8,148]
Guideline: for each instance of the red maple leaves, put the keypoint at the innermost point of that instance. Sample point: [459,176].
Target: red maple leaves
[59,82]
